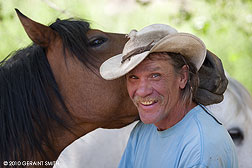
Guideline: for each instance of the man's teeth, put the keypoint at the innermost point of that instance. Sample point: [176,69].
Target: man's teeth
[147,102]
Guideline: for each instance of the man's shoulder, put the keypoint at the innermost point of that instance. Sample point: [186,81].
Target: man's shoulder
[211,131]
[207,144]
[216,144]
[209,126]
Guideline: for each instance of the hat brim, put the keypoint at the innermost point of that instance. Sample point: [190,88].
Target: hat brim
[113,68]
[185,44]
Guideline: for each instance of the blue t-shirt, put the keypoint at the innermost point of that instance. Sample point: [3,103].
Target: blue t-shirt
[197,141]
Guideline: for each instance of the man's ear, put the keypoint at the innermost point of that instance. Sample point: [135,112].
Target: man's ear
[184,76]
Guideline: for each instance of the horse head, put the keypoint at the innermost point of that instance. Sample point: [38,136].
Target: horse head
[89,98]
[78,100]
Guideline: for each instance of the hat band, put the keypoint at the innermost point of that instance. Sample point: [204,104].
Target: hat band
[136,51]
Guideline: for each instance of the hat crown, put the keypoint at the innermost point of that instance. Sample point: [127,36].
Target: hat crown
[146,36]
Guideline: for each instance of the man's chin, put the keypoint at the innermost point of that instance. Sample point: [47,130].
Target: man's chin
[147,118]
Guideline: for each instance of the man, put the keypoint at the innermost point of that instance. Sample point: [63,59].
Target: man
[161,68]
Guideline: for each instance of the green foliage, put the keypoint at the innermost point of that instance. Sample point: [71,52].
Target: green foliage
[224,25]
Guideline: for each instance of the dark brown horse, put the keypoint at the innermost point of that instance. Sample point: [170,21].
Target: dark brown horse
[51,92]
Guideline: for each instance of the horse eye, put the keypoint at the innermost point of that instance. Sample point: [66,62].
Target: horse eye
[237,135]
[97,42]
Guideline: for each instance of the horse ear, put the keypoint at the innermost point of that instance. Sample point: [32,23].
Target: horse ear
[38,33]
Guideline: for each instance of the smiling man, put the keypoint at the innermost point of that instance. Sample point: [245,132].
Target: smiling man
[161,68]
[155,89]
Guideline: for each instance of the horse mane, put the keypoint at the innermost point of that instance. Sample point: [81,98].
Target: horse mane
[27,90]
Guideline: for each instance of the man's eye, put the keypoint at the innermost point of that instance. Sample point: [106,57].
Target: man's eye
[132,77]
[155,75]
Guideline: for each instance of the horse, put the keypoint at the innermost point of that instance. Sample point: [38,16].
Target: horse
[51,92]
[105,147]
[235,112]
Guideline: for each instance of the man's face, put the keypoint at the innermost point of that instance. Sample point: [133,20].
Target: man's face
[155,88]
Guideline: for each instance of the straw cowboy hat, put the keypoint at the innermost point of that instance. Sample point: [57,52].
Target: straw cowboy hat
[153,38]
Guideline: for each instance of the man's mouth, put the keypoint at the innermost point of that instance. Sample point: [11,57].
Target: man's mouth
[148,102]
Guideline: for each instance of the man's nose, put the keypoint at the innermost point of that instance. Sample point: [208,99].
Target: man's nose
[144,89]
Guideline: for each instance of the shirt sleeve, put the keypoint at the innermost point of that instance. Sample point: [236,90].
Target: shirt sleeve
[216,162]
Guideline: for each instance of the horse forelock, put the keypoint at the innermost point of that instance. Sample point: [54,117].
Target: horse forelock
[73,35]
[27,85]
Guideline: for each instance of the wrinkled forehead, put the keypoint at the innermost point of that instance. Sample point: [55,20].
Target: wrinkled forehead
[153,63]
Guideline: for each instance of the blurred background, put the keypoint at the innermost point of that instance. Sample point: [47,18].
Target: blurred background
[224,25]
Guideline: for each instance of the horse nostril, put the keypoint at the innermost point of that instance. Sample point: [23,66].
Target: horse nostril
[237,135]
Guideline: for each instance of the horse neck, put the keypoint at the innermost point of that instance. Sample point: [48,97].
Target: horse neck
[34,126]
[63,137]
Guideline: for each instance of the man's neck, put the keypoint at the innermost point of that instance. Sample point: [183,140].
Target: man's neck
[174,116]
